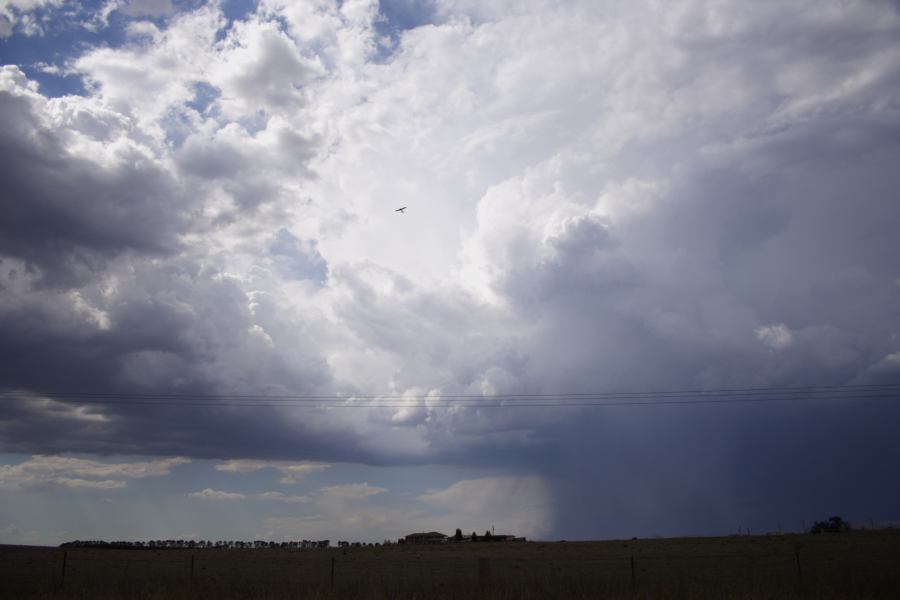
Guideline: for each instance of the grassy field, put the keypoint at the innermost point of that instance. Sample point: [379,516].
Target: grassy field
[858,565]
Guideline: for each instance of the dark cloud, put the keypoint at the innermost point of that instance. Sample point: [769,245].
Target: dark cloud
[677,470]
[67,216]
[96,299]
[247,168]
[208,160]
[177,330]
[804,244]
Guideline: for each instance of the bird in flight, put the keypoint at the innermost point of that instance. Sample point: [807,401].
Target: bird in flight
[401,210]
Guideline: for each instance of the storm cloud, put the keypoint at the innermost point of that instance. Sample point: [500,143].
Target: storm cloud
[602,197]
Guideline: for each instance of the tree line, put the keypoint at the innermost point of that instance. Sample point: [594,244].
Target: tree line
[199,544]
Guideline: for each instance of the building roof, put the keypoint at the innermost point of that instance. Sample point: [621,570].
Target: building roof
[430,534]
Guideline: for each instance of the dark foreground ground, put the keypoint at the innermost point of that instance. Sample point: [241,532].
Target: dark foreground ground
[858,565]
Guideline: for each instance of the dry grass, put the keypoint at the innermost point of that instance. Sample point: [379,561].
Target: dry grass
[859,565]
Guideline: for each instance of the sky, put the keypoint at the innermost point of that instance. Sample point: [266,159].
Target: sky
[215,325]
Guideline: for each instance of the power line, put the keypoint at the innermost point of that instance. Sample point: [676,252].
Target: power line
[657,393]
[597,399]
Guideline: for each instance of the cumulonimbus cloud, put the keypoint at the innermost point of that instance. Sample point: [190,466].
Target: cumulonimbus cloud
[704,199]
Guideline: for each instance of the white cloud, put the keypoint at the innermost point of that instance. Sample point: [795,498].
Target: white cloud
[141,81]
[93,468]
[15,13]
[56,471]
[776,337]
[261,70]
[211,494]
[129,8]
[351,491]
[342,33]
[88,484]
[282,497]
[243,466]
[292,472]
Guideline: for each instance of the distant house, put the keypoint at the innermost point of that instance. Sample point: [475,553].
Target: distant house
[506,538]
[497,537]
[431,537]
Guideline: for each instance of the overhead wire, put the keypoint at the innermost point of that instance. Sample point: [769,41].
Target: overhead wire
[545,400]
[748,390]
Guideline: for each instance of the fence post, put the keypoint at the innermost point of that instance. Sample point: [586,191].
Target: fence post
[332,573]
[799,572]
[633,577]
[484,573]
[62,575]
[191,581]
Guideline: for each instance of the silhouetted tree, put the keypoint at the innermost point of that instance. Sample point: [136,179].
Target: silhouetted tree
[487,536]
[458,536]
[474,537]
[832,525]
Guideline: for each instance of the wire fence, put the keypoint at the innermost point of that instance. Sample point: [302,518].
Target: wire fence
[334,568]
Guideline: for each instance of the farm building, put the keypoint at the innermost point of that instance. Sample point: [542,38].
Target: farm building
[432,537]
[496,537]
